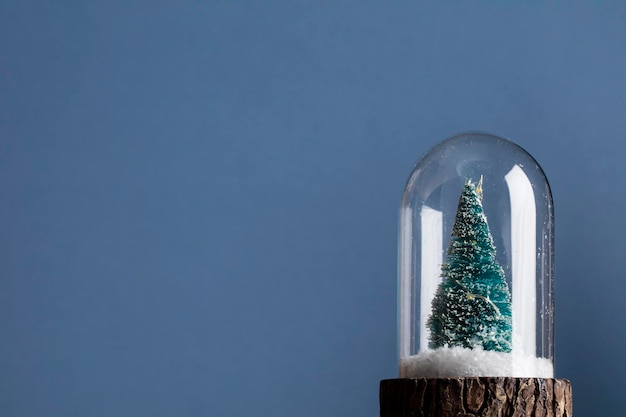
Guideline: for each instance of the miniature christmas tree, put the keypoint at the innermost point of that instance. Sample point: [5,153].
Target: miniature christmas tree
[472,305]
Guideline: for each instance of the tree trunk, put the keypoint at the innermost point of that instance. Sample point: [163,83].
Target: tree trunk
[475,397]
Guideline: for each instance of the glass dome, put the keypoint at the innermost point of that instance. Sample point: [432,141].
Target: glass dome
[476,263]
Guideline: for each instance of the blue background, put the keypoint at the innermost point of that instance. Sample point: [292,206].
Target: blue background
[198,200]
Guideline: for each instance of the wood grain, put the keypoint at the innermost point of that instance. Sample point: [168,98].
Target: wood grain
[475,397]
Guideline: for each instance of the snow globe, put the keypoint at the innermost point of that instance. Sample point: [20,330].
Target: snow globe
[476,285]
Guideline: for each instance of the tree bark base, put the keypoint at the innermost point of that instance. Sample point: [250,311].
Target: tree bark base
[475,397]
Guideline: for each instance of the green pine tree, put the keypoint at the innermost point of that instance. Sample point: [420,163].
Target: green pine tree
[472,305]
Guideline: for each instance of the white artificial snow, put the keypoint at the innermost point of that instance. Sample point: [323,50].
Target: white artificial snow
[461,362]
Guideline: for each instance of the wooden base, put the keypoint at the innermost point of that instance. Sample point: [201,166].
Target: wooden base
[475,397]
